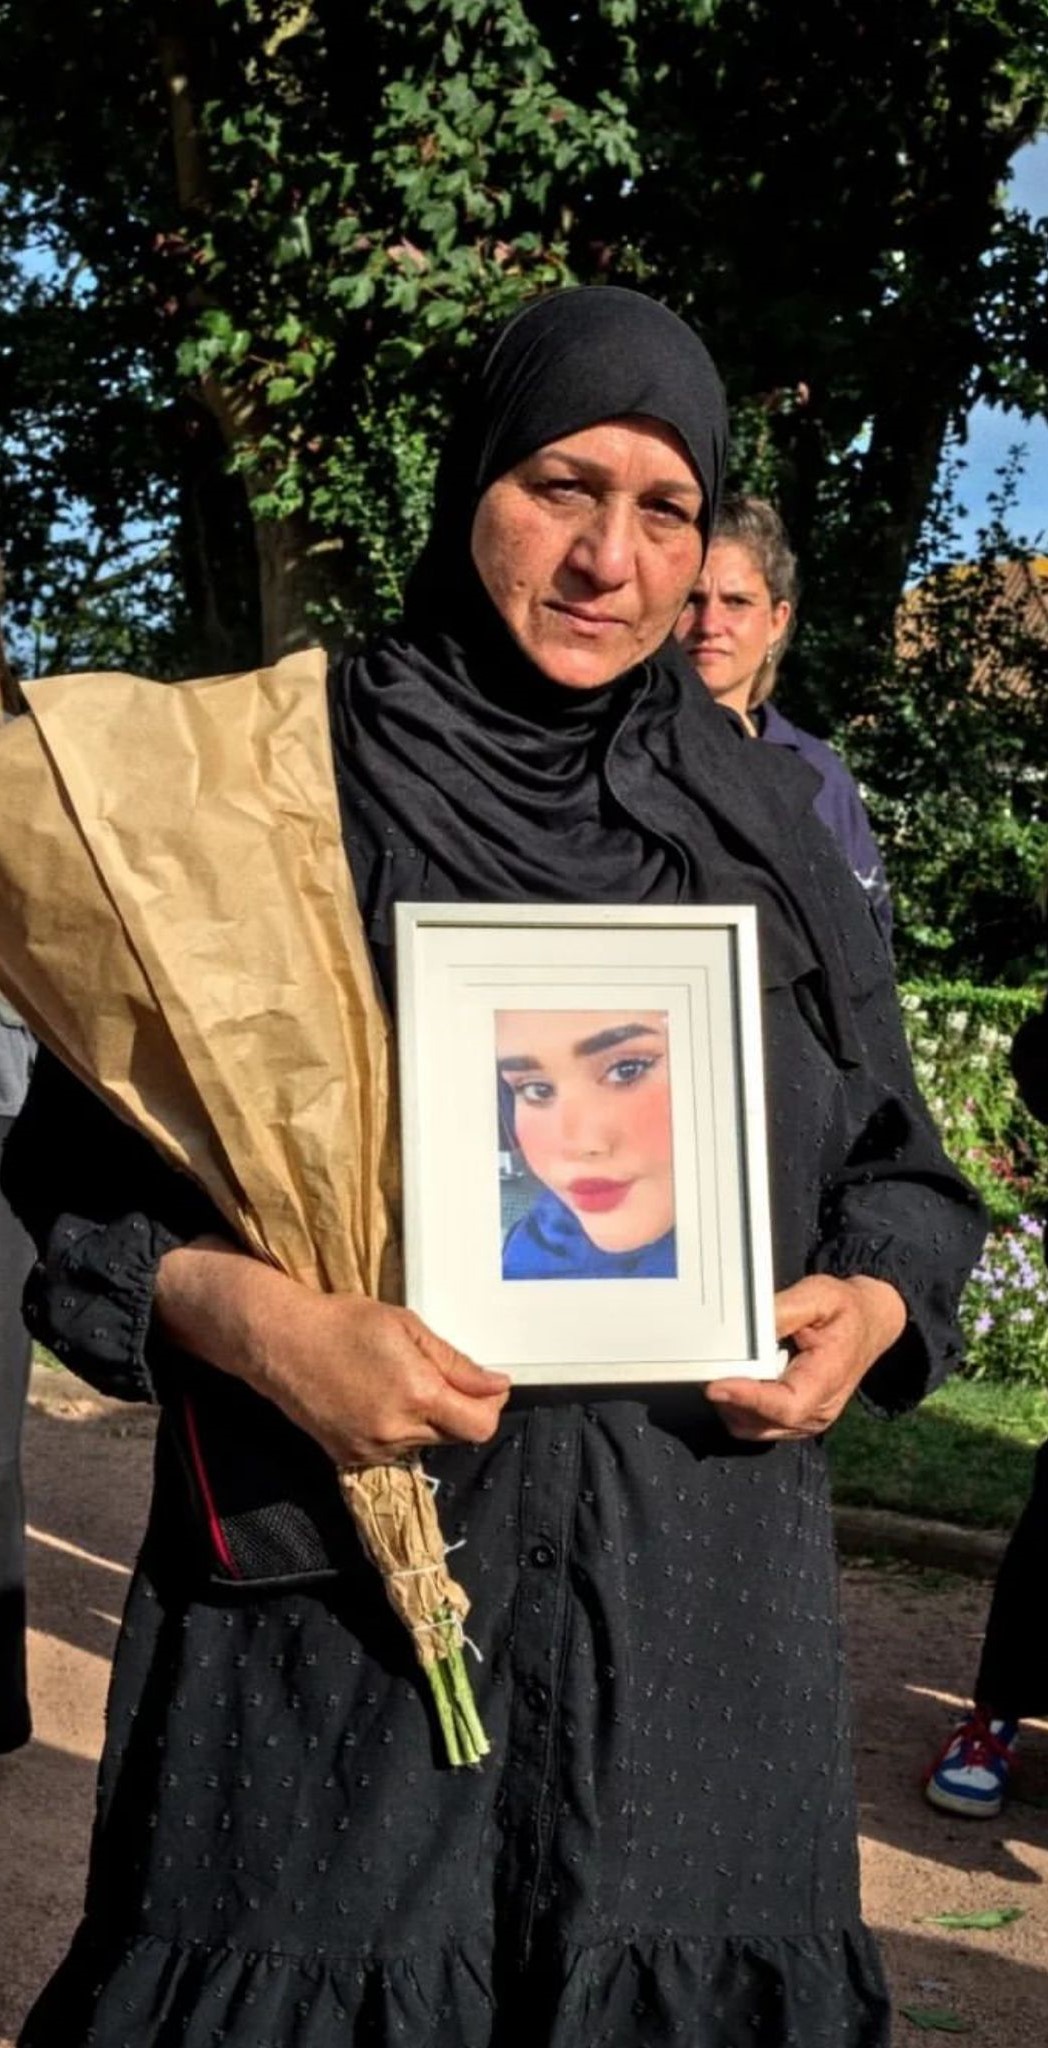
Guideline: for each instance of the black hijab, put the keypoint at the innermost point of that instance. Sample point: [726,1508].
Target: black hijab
[561,364]
[464,773]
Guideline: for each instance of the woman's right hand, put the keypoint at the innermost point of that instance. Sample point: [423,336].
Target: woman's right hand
[370,1382]
[373,1383]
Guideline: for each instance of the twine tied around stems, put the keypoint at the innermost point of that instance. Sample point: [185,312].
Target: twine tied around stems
[395,1513]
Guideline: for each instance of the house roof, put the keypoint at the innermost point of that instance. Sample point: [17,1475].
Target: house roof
[1011,627]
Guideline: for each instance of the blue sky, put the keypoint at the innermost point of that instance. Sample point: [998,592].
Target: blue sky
[992,431]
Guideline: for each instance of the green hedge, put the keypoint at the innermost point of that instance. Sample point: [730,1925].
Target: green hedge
[960,1036]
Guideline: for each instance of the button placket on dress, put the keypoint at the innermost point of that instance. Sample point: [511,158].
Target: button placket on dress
[540,1633]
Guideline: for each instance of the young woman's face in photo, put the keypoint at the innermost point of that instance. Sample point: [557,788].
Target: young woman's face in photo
[589,547]
[591,1112]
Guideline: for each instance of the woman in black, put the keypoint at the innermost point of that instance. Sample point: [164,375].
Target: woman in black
[662,1844]
[971,1773]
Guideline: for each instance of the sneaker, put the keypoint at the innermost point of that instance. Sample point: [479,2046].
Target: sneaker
[970,1774]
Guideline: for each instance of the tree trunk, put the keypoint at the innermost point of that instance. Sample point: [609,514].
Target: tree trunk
[11,698]
[923,350]
[295,569]
[295,575]
[216,549]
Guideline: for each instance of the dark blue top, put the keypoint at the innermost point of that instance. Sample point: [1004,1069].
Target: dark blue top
[839,805]
[549,1243]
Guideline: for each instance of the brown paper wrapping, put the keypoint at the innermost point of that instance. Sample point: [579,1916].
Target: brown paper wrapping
[177,923]
[394,1510]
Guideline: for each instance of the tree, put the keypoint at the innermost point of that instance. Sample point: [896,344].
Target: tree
[261,285]
[831,207]
[307,216]
[953,753]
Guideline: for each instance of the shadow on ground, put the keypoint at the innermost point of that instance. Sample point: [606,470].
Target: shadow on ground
[914,1642]
[87,1483]
[87,1490]
[997,2001]
[46,1800]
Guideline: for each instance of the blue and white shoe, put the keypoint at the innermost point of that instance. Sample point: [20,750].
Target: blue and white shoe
[971,1772]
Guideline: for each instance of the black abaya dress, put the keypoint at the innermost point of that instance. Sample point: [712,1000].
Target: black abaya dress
[661,1847]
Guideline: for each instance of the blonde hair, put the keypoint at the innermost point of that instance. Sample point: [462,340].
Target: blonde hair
[753,524]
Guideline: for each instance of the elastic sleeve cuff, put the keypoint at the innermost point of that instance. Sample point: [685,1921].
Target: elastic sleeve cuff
[928,1349]
[90,1300]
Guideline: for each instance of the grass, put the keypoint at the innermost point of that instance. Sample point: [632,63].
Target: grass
[966,1456]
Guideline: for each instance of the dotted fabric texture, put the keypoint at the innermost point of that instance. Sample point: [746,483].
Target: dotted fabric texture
[661,1847]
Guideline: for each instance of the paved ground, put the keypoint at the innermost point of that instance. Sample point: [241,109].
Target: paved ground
[914,1639]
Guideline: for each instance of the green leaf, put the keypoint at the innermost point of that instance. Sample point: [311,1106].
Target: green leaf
[933,2019]
[993,1916]
[280,389]
[216,321]
[353,291]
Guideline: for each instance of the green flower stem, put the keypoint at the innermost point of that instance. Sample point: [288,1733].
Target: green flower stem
[445,1712]
[464,1739]
[466,1706]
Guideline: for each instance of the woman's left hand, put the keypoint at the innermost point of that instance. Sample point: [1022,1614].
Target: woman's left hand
[839,1328]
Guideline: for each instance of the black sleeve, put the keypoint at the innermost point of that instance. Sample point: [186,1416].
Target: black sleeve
[102,1208]
[896,1208]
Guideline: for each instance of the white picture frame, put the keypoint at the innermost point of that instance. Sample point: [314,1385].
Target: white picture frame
[514,1278]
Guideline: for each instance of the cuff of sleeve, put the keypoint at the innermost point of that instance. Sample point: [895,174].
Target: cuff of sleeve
[917,1362]
[90,1300]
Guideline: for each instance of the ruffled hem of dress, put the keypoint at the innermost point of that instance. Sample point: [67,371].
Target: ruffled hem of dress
[821,1991]
[146,1992]
[815,1991]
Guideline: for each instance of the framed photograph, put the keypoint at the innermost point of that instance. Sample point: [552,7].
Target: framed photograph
[585,1173]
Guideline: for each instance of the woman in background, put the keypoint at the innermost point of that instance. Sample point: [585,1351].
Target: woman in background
[972,1771]
[735,628]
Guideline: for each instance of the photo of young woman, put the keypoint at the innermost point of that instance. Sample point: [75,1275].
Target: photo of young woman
[584,1100]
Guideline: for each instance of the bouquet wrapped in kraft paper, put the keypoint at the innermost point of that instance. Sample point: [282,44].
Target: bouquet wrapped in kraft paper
[177,924]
